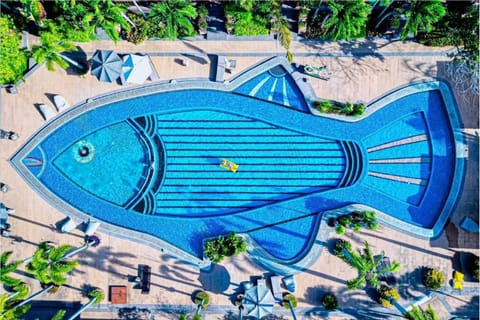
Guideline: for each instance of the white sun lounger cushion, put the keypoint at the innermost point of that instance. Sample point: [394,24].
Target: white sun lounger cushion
[46,111]
[60,102]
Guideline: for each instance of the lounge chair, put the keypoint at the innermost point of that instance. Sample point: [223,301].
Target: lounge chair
[46,111]
[289,283]
[262,282]
[60,103]
[92,226]
[68,225]
[276,289]
[317,72]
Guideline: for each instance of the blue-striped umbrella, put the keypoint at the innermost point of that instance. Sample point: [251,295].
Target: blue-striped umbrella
[106,65]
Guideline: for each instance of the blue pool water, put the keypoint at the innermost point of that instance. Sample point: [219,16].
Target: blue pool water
[156,168]
[117,168]
[275,85]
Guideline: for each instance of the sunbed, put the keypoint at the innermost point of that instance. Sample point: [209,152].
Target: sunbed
[60,103]
[46,111]
[276,289]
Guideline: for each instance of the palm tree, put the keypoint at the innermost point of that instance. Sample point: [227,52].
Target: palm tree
[369,267]
[290,302]
[175,16]
[20,292]
[50,50]
[281,26]
[6,269]
[8,312]
[418,314]
[96,296]
[49,265]
[421,15]
[202,300]
[346,21]
[107,15]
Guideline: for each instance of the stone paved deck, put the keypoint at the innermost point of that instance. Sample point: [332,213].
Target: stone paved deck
[361,72]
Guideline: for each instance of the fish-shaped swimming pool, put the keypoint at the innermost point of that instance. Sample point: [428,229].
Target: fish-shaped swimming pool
[147,161]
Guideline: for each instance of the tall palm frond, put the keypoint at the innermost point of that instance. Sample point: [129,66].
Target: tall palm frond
[347,20]
[421,16]
[7,268]
[176,16]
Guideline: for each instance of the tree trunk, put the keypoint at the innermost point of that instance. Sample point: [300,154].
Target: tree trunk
[83,308]
[35,295]
[292,310]
[73,62]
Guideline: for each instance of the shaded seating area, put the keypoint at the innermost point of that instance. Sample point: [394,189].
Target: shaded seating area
[144,274]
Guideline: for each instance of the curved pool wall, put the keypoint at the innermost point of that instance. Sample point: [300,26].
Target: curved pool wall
[297,219]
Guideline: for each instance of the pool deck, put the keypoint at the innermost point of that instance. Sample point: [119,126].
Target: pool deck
[362,71]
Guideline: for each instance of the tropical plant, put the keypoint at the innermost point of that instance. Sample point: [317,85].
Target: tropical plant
[249,18]
[33,10]
[96,296]
[202,300]
[10,312]
[139,33]
[387,295]
[329,302]
[183,316]
[357,220]
[434,278]
[421,15]
[13,63]
[51,47]
[49,265]
[104,14]
[347,20]
[370,268]
[197,316]
[7,268]
[173,19]
[217,249]
[418,314]
[342,248]
[59,315]
[20,292]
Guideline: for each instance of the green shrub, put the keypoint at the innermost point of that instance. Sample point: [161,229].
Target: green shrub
[347,108]
[358,109]
[329,302]
[139,33]
[339,229]
[217,249]
[202,298]
[434,279]
[14,60]
[386,294]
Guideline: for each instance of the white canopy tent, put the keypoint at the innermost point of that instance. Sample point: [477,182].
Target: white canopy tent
[136,69]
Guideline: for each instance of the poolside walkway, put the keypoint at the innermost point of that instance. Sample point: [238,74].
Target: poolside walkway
[361,72]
